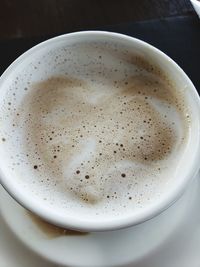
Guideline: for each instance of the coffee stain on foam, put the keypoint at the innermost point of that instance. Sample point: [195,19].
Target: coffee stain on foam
[52,231]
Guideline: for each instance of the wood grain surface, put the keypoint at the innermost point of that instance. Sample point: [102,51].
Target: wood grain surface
[28,18]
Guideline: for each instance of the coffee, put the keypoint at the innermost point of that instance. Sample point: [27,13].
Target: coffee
[101,132]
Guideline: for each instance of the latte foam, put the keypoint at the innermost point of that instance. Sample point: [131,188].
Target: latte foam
[101,131]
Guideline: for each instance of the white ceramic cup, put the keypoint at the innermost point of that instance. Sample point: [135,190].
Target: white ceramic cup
[188,169]
[196,5]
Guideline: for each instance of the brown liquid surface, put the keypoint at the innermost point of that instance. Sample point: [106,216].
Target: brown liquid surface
[83,134]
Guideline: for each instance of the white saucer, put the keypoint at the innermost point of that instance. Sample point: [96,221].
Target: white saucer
[172,239]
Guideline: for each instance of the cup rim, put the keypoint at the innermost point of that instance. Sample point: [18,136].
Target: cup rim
[196,6]
[83,225]
[195,1]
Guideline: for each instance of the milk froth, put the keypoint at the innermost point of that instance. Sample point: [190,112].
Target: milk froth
[101,132]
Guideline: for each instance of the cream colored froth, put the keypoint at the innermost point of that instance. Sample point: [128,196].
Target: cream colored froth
[85,136]
[102,130]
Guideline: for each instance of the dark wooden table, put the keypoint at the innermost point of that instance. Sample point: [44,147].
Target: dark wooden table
[34,18]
